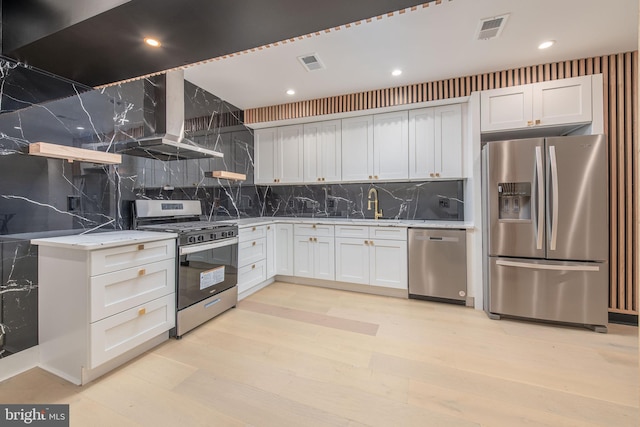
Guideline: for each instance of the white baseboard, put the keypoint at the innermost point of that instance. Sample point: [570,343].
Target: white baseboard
[20,362]
[242,295]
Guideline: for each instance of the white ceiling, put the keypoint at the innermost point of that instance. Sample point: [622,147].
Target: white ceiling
[427,44]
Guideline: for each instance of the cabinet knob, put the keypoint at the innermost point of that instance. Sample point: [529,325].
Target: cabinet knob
[371,242]
[314,226]
[437,174]
[275,180]
[140,247]
[253,266]
[253,229]
[323,179]
[268,227]
[142,272]
[370,176]
[375,177]
[142,311]
[538,121]
[366,242]
[315,239]
[530,123]
[319,179]
[253,244]
[311,239]
[431,175]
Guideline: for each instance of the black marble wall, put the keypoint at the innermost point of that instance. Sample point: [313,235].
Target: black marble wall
[42,197]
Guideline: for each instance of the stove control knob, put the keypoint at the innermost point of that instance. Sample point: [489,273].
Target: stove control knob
[191,239]
[201,238]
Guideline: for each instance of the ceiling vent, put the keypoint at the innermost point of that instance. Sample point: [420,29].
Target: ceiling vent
[311,62]
[490,28]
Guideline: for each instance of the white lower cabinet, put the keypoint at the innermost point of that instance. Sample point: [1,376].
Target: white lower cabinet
[271,251]
[284,249]
[98,308]
[314,251]
[378,257]
[252,256]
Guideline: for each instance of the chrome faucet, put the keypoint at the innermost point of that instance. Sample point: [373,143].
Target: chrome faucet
[374,193]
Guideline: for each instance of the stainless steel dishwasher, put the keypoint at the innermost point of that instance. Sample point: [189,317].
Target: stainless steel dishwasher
[438,264]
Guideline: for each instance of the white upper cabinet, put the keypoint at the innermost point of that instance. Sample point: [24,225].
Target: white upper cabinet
[551,103]
[323,151]
[435,142]
[562,101]
[391,145]
[357,148]
[265,155]
[375,147]
[279,155]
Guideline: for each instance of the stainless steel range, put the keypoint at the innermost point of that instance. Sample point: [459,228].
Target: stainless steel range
[207,264]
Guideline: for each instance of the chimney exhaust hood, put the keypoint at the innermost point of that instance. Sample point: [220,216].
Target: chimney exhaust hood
[163,137]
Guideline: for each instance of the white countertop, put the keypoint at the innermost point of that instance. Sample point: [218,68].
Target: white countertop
[107,239]
[249,222]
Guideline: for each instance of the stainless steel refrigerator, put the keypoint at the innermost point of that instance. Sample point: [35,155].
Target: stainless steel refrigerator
[546,229]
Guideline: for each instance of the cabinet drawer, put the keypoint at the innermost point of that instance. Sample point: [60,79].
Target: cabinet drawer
[251,251]
[388,233]
[124,331]
[356,231]
[114,292]
[251,275]
[252,233]
[313,230]
[113,259]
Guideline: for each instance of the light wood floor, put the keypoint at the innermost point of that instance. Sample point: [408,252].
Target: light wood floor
[294,355]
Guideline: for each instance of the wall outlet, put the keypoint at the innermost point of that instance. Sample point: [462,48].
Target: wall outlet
[443,203]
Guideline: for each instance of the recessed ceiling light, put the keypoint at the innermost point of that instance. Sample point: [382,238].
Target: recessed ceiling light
[545,45]
[291,92]
[396,72]
[152,42]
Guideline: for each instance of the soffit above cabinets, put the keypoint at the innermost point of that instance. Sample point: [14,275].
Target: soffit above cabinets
[107,47]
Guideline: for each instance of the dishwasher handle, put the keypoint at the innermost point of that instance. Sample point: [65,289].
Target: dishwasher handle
[437,238]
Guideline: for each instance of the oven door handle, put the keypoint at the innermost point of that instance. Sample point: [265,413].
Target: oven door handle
[189,249]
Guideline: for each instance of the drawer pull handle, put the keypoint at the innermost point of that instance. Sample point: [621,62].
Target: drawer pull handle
[253,244]
[142,311]
[140,247]
[142,272]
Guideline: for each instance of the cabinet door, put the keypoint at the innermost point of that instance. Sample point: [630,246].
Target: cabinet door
[289,159]
[357,148]
[562,101]
[506,108]
[303,260]
[324,258]
[311,153]
[271,251]
[391,145]
[284,249]
[352,260]
[331,151]
[388,263]
[421,143]
[265,155]
[448,137]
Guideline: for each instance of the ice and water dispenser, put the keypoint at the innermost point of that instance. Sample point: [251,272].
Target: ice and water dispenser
[515,201]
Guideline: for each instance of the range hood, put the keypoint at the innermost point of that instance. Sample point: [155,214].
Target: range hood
[163,137]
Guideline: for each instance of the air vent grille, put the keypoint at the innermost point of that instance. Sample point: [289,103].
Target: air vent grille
[311,62]
[491,28]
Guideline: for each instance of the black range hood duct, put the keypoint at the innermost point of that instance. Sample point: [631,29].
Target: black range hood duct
[163,134]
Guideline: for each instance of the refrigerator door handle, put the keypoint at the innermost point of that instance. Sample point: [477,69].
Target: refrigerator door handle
[556,267]
[539,200]
[554,197]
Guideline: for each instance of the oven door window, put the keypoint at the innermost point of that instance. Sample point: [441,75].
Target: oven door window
[206,273]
